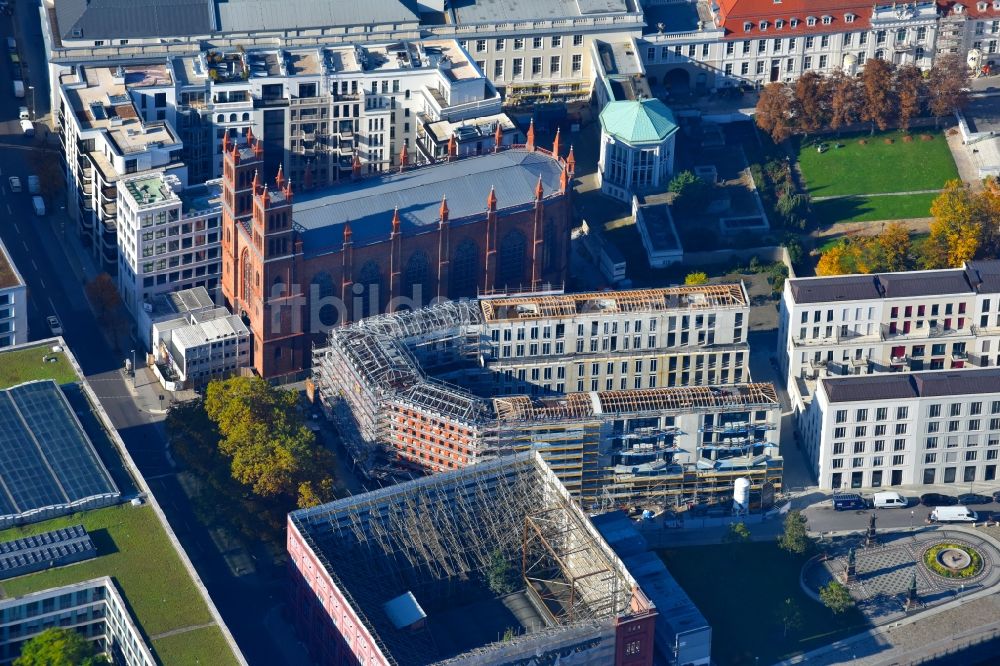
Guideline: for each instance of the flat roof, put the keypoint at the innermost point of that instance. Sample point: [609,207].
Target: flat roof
[976,277]
[900,386]
[9,275]
[95,19]
[47,462]
[368,205]
[499,11]
[273,15]
[676,16]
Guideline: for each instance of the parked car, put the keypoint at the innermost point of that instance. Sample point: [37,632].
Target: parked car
[15,184]
[937,499]
[888,500]
[974,498]
[54,325]
[849,502]
[23,114]
[953,514]
[996,497]
[28,128]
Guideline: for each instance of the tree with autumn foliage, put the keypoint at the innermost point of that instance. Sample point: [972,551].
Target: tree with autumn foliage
[774,111]
[879,105]
[895,247]
[889,250]
[808,108]
[844,97]
[963,228]
[948,85]
[909,88]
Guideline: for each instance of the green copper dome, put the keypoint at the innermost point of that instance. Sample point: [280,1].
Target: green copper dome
[639,121]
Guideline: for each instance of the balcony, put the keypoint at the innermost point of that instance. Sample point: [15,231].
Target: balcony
[899,362]
[926,332]
[838,338]
[959,355]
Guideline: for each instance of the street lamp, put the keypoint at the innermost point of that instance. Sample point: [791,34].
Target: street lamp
[133,368]
[911,521]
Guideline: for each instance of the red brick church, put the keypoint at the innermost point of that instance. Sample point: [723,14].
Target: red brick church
[295,264]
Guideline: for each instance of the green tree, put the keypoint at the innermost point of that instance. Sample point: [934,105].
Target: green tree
[737,533]
[696,278]
[836,597]
[500,577]
[795,539]
[789,616]
[59,647]
[692,192]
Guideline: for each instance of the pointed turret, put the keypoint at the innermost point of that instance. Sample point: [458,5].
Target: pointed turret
[491,200]
[539,191]
[250,135]
[256,181]
[356,166]
[452,148]
[530,145]
[404,158]
[225,142]
[288,190]
[280,178]
[571,162]
[265,197]
[555,144]
[564,180]
[395,221]
[347,233]
[498,137]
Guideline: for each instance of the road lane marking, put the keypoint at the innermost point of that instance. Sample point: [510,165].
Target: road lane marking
[17,228]
[34,265]
[25,246]
[42,282]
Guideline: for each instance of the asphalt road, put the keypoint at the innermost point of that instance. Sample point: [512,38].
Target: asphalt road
[250,604]
[822,517]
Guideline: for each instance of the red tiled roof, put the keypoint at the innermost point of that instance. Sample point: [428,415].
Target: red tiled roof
[734,14]
[970,8]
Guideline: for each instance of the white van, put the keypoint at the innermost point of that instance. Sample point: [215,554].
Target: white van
[888,501]
[953,514]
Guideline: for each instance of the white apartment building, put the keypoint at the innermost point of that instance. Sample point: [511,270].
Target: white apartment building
[623,340]
[112,122]
[199,346]
[905,429]
[888,322]
[168,237]
[13,302]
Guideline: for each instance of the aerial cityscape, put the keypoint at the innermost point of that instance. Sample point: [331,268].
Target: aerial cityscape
[490,332]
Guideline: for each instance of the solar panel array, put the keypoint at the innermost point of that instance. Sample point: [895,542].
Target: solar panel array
[49,549]
[46,459]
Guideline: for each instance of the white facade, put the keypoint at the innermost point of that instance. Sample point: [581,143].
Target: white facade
[904,429]
[201,346]
[13,302]
[168,236]
[890,322]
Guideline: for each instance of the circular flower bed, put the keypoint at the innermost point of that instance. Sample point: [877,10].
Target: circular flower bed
[932,561]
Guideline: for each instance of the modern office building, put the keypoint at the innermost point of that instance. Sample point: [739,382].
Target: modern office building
[102,117]
[13,302]
[197,347]
[168,237]
[888,322]
[905,428]
[295,265]
[399,575]
[620,392]
[94,608]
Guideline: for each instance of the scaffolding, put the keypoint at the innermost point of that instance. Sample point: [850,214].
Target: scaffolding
[688,398]
[438,536]
[563,306]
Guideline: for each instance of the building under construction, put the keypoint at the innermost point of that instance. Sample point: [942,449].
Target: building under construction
[431,572]
[426,387]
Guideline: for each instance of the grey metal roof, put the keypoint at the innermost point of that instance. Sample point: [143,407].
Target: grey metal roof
[368,204]
[938,283]
[496,11]
[123,19]
[840,288]
[274,15]
[977,277]
[896,386]
[984,276]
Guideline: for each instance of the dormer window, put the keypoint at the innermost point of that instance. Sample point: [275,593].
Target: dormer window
[996,4]
[794,23]
[763,25]
[810,20]
[959,8]
[848,18]
[982,6]
[747,26]
[827,20]
[779,24]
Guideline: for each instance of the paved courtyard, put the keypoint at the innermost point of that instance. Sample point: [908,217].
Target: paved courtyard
[884,571]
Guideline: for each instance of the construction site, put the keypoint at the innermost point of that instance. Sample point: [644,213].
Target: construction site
[431,572]
[417,391]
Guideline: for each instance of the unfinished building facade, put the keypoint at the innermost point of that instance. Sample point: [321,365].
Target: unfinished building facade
[431,389]
[429,572]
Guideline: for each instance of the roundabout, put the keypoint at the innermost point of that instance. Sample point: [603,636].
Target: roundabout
[944,563]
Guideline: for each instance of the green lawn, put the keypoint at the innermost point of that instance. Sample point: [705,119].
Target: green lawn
[24,365]
[876,167]
[134,550]
[200,646]
[868,209]
[739,589]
